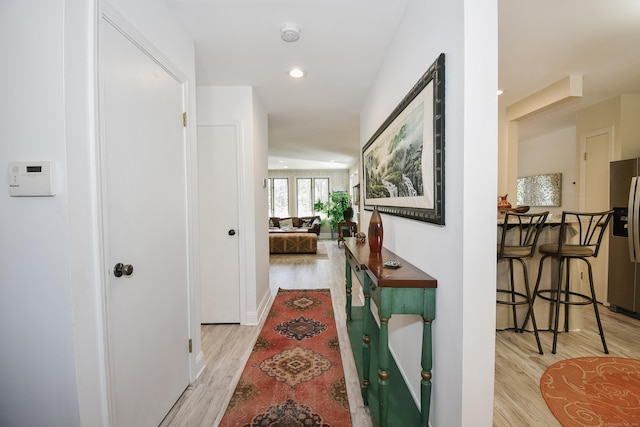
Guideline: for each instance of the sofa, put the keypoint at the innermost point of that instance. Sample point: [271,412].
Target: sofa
[304,224]
[294,235]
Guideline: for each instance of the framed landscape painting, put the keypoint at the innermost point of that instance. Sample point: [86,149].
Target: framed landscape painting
[404,160]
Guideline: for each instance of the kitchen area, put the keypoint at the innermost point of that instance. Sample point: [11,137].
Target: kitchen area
[578,167]
[568,105]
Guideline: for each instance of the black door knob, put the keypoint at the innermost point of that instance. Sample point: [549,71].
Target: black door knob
[122,269]
[232,232]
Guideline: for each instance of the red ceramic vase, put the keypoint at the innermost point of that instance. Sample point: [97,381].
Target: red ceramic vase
[376,233]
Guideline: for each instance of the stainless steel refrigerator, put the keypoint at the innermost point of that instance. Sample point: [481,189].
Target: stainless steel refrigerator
[624,237]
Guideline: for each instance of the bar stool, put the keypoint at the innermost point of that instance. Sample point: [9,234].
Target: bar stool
[526,230]
[589,229]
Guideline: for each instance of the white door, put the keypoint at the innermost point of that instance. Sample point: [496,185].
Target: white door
[596,199]
[218,218]
[145,226]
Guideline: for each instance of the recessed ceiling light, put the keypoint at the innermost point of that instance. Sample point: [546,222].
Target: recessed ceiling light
[296,73]
[500,91]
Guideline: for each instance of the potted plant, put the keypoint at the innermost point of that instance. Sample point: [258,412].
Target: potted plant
[339,202]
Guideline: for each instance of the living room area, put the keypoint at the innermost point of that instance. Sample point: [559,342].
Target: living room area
[299,202]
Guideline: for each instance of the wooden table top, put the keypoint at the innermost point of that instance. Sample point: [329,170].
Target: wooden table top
[406,276]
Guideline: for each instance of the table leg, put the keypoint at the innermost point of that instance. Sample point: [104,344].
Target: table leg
[383,372]
[366,339]
[425,383]
[348,284]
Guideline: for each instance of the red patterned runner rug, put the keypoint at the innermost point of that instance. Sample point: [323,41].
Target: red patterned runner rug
[294,376]
[593,391]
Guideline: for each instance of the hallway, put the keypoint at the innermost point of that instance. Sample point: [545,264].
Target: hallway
[227,347]
[518,365]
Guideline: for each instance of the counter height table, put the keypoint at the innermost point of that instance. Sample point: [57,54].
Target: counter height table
[403,290]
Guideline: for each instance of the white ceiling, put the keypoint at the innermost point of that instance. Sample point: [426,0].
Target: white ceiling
[543,41]
[314,122]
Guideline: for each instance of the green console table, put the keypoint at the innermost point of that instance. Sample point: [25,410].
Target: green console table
[405,290]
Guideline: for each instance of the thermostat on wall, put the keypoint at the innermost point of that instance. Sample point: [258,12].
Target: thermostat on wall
[32,178]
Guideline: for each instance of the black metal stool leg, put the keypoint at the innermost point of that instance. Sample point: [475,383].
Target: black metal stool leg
[535,291]
[595,308]
[557,307]
[513,296]
[530,305]
[567,294]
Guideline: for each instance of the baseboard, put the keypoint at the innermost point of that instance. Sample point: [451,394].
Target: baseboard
[255,317]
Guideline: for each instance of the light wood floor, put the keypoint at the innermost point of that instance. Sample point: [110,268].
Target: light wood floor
[518,401]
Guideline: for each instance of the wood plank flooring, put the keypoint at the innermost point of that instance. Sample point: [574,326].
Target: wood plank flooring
[517,398]
[518,401]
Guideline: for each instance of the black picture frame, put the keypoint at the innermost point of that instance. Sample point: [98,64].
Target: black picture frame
[403,161]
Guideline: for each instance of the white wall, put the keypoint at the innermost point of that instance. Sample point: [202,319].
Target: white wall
[261,206]
[554,152]
[52,359]
[37,364]
[460,255]
[238,105]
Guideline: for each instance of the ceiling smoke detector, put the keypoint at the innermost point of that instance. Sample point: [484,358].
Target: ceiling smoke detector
[290,33]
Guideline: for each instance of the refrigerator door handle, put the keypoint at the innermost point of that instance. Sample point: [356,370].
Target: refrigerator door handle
[634,221]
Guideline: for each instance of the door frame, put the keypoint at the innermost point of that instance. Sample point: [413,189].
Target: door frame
[242,241]
[107,15]
[614,154]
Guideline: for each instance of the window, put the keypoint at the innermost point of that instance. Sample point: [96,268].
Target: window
[305,197]
[269,201]
[309,191]
[321,190]
[278,195]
